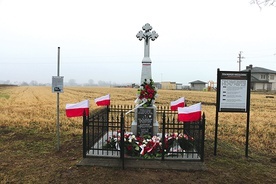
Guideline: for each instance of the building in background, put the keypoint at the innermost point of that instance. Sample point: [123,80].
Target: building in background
[158,85]
[168,85]
[198,85]
[179,86]
[262,79]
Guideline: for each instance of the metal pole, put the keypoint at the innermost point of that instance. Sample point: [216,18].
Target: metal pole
[58,141]
[217,114]
[122,147]
[84,124]
[163,136]
[248,112]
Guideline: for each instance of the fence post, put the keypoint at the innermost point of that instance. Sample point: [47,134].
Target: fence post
[163,135]
[122,147]
[107,118]
[203,137]
[84,135]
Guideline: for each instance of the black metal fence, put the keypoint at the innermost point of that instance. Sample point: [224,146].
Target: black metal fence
[107,133]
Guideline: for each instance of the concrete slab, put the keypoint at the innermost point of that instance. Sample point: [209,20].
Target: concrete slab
[143,163]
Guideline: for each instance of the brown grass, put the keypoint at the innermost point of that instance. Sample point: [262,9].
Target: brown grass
[28,123]
[36,107]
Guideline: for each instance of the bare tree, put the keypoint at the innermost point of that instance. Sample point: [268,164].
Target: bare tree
[72,82]
[262,3]
[91,82]
[33,83]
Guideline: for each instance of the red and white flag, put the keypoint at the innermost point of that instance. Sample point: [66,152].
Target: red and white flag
[78,109]
[191,113]
[177,103]
[103,100]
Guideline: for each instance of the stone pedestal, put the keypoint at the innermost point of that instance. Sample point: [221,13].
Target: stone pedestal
[145,122]
[146,69]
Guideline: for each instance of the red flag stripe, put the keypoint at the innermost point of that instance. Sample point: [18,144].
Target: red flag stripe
[191,113]
[103,103]
[193,116]
[175,107]
[77,112]
[103,100]
[177,103]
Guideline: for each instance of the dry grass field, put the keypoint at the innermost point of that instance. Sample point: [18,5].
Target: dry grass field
[28,126]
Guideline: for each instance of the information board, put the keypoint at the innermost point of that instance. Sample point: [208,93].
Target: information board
[144,121]
[233,91]
[57,84]
[233,95]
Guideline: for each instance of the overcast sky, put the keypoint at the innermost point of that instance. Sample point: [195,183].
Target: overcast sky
[98,39]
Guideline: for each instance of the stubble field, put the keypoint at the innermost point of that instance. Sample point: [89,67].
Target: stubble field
[28,139]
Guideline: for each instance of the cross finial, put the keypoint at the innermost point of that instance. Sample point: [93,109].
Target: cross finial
[147,27]
[147,34]
[140,35]
[154,35]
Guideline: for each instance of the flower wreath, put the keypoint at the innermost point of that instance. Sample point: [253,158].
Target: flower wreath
[151,146]
[146,93]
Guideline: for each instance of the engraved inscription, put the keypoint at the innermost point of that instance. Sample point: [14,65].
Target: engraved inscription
[144,121]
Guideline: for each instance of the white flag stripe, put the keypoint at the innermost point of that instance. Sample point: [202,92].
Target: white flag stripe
[106,97]
[82,104]
[178,101]
[190,109]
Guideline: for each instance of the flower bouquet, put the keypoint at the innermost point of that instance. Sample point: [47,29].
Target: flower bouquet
[175,140]
[185,142]
[147,146]
[147,93]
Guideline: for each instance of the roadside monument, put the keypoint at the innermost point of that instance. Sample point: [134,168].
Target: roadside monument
[145,122]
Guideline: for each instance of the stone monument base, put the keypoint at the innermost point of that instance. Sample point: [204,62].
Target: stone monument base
[145,121]
[155,128]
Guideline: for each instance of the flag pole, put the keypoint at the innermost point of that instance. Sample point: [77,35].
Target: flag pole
[135,107]
[58,141]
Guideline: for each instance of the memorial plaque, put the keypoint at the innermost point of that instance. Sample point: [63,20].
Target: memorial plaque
[145,121]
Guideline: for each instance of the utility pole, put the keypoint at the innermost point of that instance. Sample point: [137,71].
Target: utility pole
[239,61]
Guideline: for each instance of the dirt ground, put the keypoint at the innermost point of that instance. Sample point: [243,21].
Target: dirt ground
[27,156]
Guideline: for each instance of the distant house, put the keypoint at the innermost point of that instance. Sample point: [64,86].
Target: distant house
[262,79]
[158,85]
[198,85]
[179,86]
[168,85]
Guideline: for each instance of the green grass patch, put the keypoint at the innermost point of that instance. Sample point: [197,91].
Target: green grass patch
[4,95]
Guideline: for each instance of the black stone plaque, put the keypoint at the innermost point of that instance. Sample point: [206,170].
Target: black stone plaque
[145,121]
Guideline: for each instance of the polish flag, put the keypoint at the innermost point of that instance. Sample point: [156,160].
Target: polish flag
[103,101]
[78,109]
[191,113]
[177,103]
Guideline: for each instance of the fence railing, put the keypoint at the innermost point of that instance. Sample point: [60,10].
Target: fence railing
[102,131]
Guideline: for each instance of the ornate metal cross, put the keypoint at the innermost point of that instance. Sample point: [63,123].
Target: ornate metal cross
[147,35]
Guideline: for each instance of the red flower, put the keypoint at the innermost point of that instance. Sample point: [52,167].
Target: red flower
[129,147]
